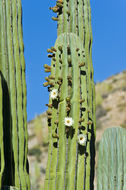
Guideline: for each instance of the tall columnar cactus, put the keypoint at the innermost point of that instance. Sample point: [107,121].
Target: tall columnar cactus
[71,146]
[111,172]
[14,117]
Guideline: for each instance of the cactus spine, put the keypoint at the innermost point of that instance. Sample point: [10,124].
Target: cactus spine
[12,67]
[111,172]
[71,165]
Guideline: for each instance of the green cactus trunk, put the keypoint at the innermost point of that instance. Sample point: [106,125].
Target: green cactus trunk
[71,165]
[12,67]
[111,172]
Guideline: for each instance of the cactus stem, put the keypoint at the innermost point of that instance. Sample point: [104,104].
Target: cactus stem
[55,18]
[49,105]
[81,64]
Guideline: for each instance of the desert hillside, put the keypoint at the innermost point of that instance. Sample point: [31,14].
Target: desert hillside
[110,111]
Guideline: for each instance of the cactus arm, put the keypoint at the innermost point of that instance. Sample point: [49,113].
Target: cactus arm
[22,61]
[111,160]
[2,163]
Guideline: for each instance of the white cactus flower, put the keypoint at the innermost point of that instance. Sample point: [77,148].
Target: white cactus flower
[54,94]
[68,121]
[82,139]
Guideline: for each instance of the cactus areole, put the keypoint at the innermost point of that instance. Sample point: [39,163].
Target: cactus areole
[71,107]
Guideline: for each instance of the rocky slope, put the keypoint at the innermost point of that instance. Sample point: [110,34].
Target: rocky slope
[110,111]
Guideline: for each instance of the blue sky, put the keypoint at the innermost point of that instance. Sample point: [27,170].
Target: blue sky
[39,33]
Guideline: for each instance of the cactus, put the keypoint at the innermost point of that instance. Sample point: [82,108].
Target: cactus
[111,172]
[71,164]
[12,67]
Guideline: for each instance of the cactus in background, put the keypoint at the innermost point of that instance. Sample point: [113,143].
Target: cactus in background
[14,138]
[111,172]
[71,108]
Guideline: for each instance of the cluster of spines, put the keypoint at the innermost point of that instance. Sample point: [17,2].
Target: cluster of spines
[13,70]
[64,151]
